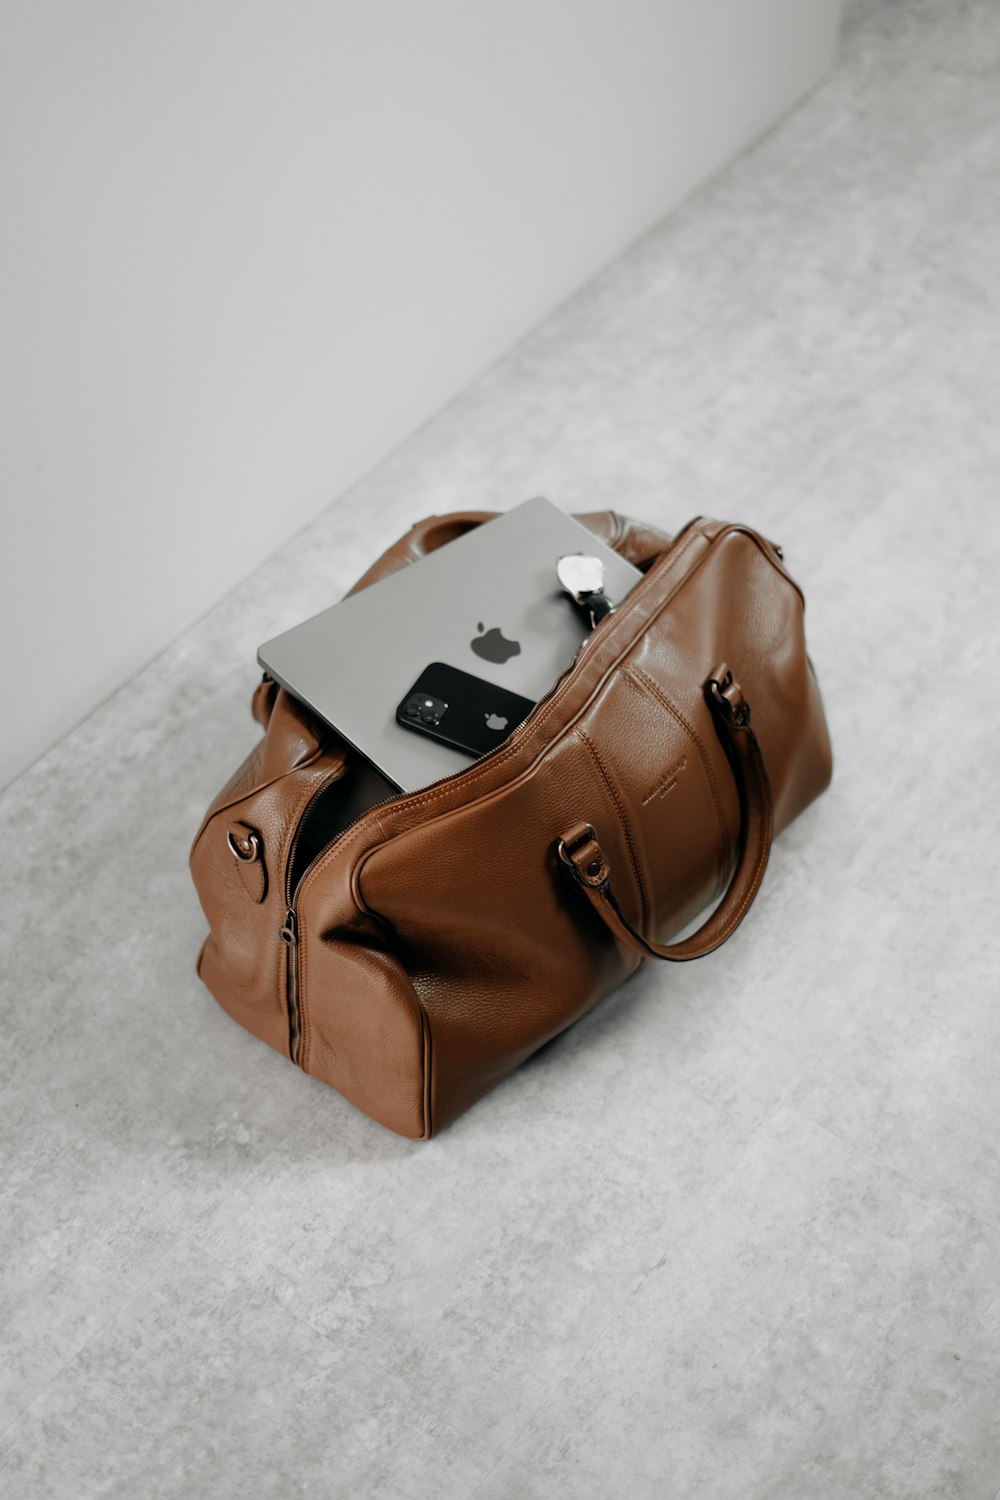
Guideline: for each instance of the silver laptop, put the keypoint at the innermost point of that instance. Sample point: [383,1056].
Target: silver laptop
[488,603]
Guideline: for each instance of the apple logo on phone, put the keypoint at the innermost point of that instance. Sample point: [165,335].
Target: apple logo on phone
[495,721]
[493,645]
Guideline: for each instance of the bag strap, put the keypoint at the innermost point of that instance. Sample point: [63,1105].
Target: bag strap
[587,864]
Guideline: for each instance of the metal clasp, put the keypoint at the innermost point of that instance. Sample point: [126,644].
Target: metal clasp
[246,850]
[583,856]
[728,697]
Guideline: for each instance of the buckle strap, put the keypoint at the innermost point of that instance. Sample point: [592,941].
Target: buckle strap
[584,858]
[726,697]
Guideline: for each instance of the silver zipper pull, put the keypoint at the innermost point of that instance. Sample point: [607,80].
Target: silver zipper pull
[290,931]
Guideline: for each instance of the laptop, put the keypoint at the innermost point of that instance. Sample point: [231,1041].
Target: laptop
[488,604]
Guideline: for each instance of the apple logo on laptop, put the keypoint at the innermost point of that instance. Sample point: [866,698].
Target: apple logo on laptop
[493,645]
[496,721]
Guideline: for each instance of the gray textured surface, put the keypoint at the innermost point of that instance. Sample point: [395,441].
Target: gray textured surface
[738,1233]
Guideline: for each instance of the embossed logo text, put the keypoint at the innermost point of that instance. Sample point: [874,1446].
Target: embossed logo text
[667,782]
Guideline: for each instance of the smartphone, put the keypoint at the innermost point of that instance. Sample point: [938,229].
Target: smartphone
[460,710]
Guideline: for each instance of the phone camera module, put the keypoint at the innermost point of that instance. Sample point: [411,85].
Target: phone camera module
[425,708]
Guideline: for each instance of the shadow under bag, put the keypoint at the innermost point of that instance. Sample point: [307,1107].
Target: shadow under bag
[418,957]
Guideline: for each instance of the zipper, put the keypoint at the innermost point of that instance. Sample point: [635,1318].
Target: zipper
[289,932]
[290,937]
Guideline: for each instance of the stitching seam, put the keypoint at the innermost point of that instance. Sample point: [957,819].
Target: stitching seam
[642,679]
[622,819]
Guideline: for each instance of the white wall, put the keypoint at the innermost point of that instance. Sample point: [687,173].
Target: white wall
[247,246]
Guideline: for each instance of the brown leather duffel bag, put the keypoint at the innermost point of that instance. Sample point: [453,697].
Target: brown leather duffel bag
[421,955]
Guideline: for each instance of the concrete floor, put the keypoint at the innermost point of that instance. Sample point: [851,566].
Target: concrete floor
[738,1233]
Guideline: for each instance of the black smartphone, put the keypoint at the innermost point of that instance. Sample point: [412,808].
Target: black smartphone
[461,710]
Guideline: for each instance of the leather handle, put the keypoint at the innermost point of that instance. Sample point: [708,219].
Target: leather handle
[587,864]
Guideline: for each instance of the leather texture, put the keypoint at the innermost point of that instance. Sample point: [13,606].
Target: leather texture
[420,957]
